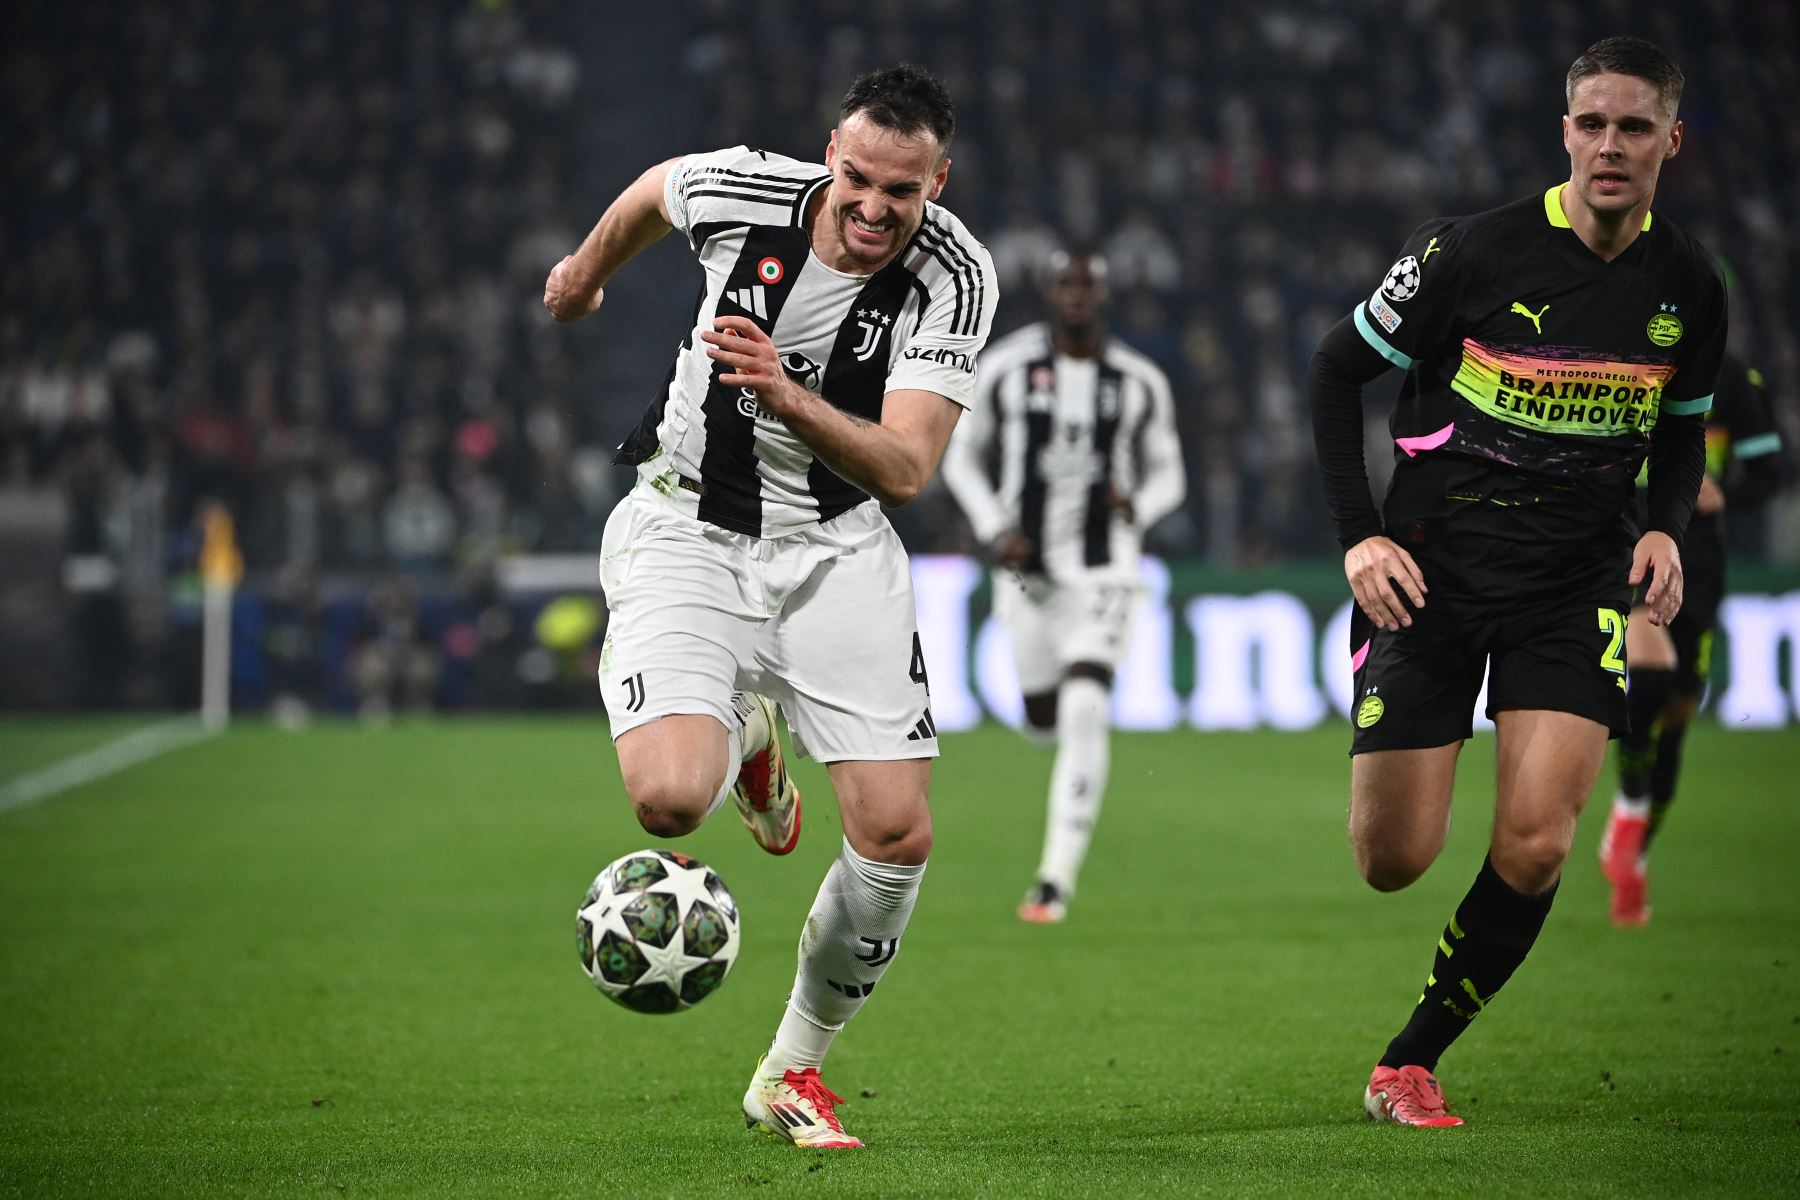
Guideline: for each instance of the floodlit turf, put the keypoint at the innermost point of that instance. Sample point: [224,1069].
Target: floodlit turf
[32,743]
[342,961]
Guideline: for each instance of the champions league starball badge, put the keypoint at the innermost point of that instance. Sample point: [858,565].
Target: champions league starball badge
[1402,282]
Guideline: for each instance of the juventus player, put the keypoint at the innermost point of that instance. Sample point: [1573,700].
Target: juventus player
[1088,459]
[833,350]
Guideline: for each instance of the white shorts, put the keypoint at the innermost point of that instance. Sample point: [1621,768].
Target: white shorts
[821,621]
[1056,624]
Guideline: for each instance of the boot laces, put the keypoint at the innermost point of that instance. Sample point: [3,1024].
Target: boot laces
[810,1088]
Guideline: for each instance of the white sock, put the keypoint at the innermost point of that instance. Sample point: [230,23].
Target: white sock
[750,729]
[1077,781]
[850,938]
[753,726]
[1631,806]
[798,1044]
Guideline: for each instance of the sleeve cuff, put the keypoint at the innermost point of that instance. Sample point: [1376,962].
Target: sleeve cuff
[1756,447]
[1688,408]
[1380,345]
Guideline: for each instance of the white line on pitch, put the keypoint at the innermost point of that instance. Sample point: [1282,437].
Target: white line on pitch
[138,746]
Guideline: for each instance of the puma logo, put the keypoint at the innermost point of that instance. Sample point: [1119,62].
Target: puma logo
[1533,317]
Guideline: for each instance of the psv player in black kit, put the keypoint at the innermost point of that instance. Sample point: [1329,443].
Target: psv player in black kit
[1669,667]
[1550,346]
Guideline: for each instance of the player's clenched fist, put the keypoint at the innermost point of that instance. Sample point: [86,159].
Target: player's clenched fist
[565,296]
[1373,566]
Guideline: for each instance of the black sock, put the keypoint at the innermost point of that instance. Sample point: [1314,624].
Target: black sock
[1662,775]
[1493,930]
[1645,700]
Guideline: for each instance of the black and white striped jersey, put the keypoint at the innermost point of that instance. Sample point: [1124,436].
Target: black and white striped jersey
[1069,430]
[919,322]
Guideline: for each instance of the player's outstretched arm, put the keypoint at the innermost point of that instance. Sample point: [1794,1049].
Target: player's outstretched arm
[968,481]
[891,460]
[630,223]
[964,472]
[1163,485]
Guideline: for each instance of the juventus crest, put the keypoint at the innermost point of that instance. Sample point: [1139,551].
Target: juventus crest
[874,325]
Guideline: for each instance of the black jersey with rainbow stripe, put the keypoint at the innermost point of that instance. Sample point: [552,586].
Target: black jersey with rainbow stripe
[1537,372]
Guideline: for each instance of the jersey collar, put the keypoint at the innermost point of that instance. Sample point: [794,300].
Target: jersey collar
[1553,209]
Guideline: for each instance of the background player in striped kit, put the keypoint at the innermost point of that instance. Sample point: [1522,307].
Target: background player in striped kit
[1088,459]
[833,350]
[1669,667]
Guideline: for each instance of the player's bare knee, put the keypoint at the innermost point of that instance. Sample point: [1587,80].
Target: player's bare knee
[1530,861]
[666,823]
[1388,868]
[911,848]
[1390,877]
[667,805]
[900,842]
[1391,855]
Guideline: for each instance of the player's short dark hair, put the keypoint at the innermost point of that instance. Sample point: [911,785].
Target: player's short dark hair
[905,99]
[1063,257]
[1629,56]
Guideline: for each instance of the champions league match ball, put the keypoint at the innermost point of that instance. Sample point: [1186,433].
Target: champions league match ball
[657,931]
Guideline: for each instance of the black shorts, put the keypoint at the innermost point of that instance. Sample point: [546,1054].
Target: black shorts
[1703,591]
[1416,688]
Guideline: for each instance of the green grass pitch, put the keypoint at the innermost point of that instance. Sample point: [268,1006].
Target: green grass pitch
[342,961]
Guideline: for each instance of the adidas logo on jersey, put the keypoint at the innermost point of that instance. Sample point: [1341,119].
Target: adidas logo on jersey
[753,300]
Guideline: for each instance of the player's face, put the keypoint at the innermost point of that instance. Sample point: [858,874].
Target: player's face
[1618,135]
[1075,295]
[880,181]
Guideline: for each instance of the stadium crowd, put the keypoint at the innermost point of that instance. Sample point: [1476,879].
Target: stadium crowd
[290,257]
[275,257]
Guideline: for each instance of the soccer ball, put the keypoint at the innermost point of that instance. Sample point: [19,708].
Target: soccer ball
[657,931]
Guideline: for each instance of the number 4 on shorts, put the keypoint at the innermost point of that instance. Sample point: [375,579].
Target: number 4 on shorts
[926,729]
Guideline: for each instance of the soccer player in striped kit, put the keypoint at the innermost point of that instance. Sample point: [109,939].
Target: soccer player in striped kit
[832,351]
[1084,427]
